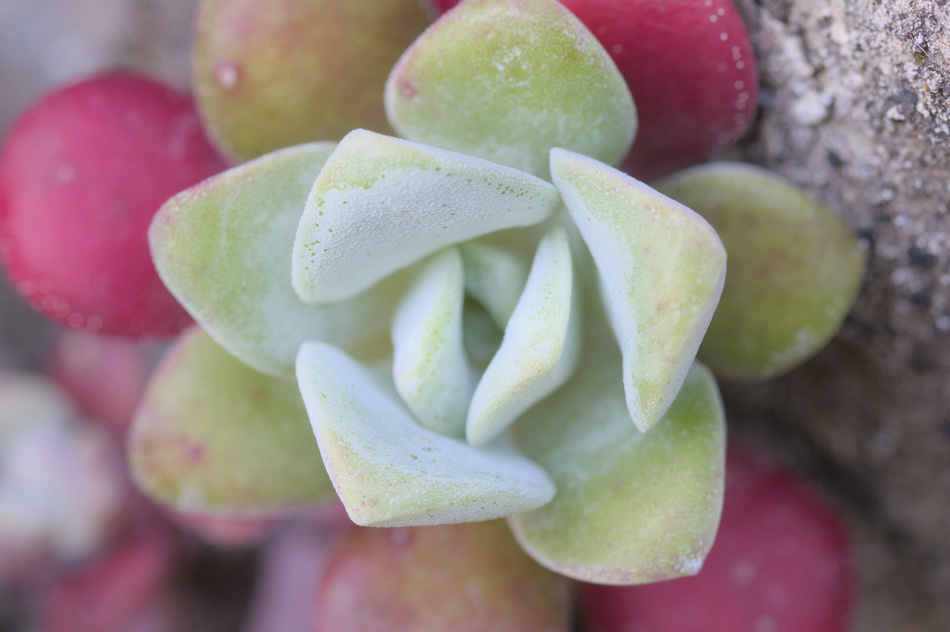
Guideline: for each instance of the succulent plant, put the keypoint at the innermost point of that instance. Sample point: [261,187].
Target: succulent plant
[300,262]
[484,319]
[496,323]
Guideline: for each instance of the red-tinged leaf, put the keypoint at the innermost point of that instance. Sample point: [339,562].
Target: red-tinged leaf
[82,172]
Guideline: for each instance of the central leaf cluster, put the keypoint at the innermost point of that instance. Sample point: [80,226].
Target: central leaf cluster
[494,323]
[418,331]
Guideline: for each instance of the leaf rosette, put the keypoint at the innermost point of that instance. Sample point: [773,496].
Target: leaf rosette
[493,324]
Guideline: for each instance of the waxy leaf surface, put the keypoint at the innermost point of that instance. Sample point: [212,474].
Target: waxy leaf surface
[794,269]
[631,507]
[430,367]
[381,203]
[507,80]
[540,348]
[390,471]
[214,437]
[224,249]
[661,269]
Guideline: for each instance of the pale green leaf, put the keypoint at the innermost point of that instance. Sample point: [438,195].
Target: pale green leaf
[381,203]
[224,249]
[540,348]
[430,367]
[508,80]
[661,268]
[794,269]
[390,471]
[631,507]
[214,437]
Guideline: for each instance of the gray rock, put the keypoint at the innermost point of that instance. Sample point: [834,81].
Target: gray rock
[870,416]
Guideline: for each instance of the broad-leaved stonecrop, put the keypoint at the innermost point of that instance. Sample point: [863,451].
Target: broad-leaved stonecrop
[509,331]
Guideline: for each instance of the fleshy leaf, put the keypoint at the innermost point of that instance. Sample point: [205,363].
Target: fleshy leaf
[430,367]
[214,437]
[794,269]
[661,269]
[494,277]
[451,578]
[631,507]
[507,80]
[540,348]
[381,203]
[389,471]
[224,248]
[281,72]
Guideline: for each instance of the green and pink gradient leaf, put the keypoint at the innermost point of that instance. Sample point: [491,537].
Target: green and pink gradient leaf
[430,367]
[540,347]
[794,269]
[277,73]
[388,470]
[507,80]
[661,269]
[381,203]
[214,437]
[451,578]
[224,248]
[631,507]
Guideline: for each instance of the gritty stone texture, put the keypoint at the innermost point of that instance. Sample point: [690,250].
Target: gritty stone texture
[856,110]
